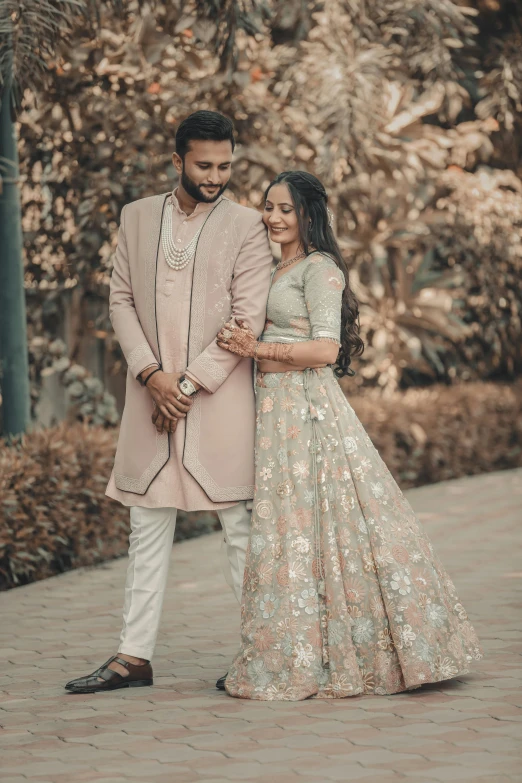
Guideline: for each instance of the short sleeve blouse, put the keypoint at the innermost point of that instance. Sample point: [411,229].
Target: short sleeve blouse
[305,303]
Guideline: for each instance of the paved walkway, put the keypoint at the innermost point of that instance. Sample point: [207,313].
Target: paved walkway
[183,730]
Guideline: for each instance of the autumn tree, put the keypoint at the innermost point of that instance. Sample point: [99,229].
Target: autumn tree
[35,35]
[409,111]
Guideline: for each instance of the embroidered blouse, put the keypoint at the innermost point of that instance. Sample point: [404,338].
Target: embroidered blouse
[305,303]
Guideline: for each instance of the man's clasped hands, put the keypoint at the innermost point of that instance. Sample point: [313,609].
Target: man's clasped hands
[170,404]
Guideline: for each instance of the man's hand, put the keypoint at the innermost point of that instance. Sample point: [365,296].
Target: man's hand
[170,402]
[163,424]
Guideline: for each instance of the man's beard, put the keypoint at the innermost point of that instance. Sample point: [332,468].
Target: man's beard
[195,191]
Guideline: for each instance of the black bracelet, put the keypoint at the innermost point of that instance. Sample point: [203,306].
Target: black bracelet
[147,379]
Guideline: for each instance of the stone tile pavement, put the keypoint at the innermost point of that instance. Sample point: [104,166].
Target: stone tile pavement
[183,730]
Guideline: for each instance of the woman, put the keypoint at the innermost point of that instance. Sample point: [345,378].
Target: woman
[343,593]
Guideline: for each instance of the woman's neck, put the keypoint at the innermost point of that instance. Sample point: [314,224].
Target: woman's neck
[290,250]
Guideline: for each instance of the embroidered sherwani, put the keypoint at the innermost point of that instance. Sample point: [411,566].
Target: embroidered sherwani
[171,316]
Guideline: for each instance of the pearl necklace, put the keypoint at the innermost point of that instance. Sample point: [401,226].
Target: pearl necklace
[176,257]
[283,264]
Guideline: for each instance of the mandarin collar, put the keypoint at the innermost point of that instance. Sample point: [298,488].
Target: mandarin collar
[201,207]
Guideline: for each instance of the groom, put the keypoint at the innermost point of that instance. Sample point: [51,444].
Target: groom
[186,262]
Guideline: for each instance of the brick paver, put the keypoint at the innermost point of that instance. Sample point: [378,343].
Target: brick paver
[183,730]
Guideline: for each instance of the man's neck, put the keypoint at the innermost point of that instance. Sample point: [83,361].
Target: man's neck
[186,202]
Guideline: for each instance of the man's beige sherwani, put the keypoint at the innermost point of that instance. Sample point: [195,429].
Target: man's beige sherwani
[231,277]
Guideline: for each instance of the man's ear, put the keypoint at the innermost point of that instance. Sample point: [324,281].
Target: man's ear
[177,162]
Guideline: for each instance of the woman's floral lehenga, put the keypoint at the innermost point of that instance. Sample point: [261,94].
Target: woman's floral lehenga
[343,593]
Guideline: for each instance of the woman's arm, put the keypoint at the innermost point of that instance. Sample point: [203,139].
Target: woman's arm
[300,355]
[312,353]
[323,290]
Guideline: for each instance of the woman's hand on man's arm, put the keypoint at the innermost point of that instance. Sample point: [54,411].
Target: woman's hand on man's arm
[239,339]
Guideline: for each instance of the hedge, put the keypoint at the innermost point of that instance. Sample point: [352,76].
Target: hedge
[54,515]
[444,432]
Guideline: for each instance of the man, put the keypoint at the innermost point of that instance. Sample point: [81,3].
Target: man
[186,262]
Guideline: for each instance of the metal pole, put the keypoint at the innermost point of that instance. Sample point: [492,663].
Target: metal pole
[14,365]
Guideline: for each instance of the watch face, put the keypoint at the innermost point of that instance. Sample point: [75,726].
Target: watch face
[187,387]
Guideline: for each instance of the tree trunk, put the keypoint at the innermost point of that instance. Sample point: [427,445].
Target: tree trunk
[14,365]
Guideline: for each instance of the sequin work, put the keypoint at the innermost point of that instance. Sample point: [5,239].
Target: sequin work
[305,303]
[387,618]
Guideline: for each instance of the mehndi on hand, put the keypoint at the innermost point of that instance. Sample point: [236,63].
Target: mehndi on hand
[237,338]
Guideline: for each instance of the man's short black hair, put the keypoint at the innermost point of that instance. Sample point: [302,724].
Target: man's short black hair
[203,126]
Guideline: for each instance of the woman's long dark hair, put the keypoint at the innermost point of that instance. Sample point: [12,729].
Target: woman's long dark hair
[310,202]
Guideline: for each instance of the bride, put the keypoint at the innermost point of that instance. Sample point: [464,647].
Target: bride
[343,593]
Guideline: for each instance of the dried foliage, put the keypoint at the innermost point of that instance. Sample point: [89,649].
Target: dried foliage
[485,211]
[437,434]
[500,89]
[30,30]
[54,515]
[409,111]
[441,292]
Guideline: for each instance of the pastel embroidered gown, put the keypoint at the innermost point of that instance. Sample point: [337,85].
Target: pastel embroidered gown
[343,593]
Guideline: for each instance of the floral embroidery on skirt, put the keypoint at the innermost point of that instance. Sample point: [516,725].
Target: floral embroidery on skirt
[343,593]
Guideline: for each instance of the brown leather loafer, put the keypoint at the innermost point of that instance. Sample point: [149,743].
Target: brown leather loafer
[137,677]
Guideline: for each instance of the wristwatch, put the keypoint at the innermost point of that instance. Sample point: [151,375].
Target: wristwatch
[186,386]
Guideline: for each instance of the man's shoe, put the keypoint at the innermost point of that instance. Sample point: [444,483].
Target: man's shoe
[137,677]
[220,684]
[94,674]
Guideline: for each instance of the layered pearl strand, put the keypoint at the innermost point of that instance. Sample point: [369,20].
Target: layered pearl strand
[176,257]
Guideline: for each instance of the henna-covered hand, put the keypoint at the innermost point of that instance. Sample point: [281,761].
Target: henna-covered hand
[240,340]
[276,352]
[237,338]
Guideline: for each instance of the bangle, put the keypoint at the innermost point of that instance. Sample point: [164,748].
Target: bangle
[256,349]
[149,376]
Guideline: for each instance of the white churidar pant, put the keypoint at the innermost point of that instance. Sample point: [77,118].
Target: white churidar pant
[151,538]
